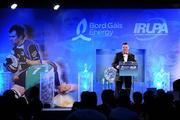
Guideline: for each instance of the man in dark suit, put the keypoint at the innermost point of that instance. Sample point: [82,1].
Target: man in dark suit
[123,56]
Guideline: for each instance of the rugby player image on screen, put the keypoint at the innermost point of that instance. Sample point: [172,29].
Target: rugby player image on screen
[26,63]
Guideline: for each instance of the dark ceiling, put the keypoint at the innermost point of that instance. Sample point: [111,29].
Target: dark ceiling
[93,3]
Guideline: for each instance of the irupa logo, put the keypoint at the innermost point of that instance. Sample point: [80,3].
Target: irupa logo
[150,30]
[79,32]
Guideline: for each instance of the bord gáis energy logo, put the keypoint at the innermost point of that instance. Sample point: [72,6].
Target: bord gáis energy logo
[80,30]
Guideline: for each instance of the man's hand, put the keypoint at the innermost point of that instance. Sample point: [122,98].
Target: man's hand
[28,61]
[15,78]
[63,88]
[32,62]
[19,89]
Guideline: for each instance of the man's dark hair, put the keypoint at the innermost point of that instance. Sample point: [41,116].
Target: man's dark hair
[19,30]
[125,43]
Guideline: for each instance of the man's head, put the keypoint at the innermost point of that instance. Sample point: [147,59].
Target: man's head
[16,34]
[125,47]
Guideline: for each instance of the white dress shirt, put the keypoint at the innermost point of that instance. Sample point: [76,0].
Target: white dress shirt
[125,57]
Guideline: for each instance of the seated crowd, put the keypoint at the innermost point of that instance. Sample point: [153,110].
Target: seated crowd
[150,105]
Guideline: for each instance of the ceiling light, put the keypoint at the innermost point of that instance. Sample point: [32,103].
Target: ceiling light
[56,7]
[14,6]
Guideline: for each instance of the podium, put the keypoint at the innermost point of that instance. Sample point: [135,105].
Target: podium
[129,68]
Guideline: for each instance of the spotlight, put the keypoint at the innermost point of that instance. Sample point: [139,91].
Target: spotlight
[13,6]
[56,7]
